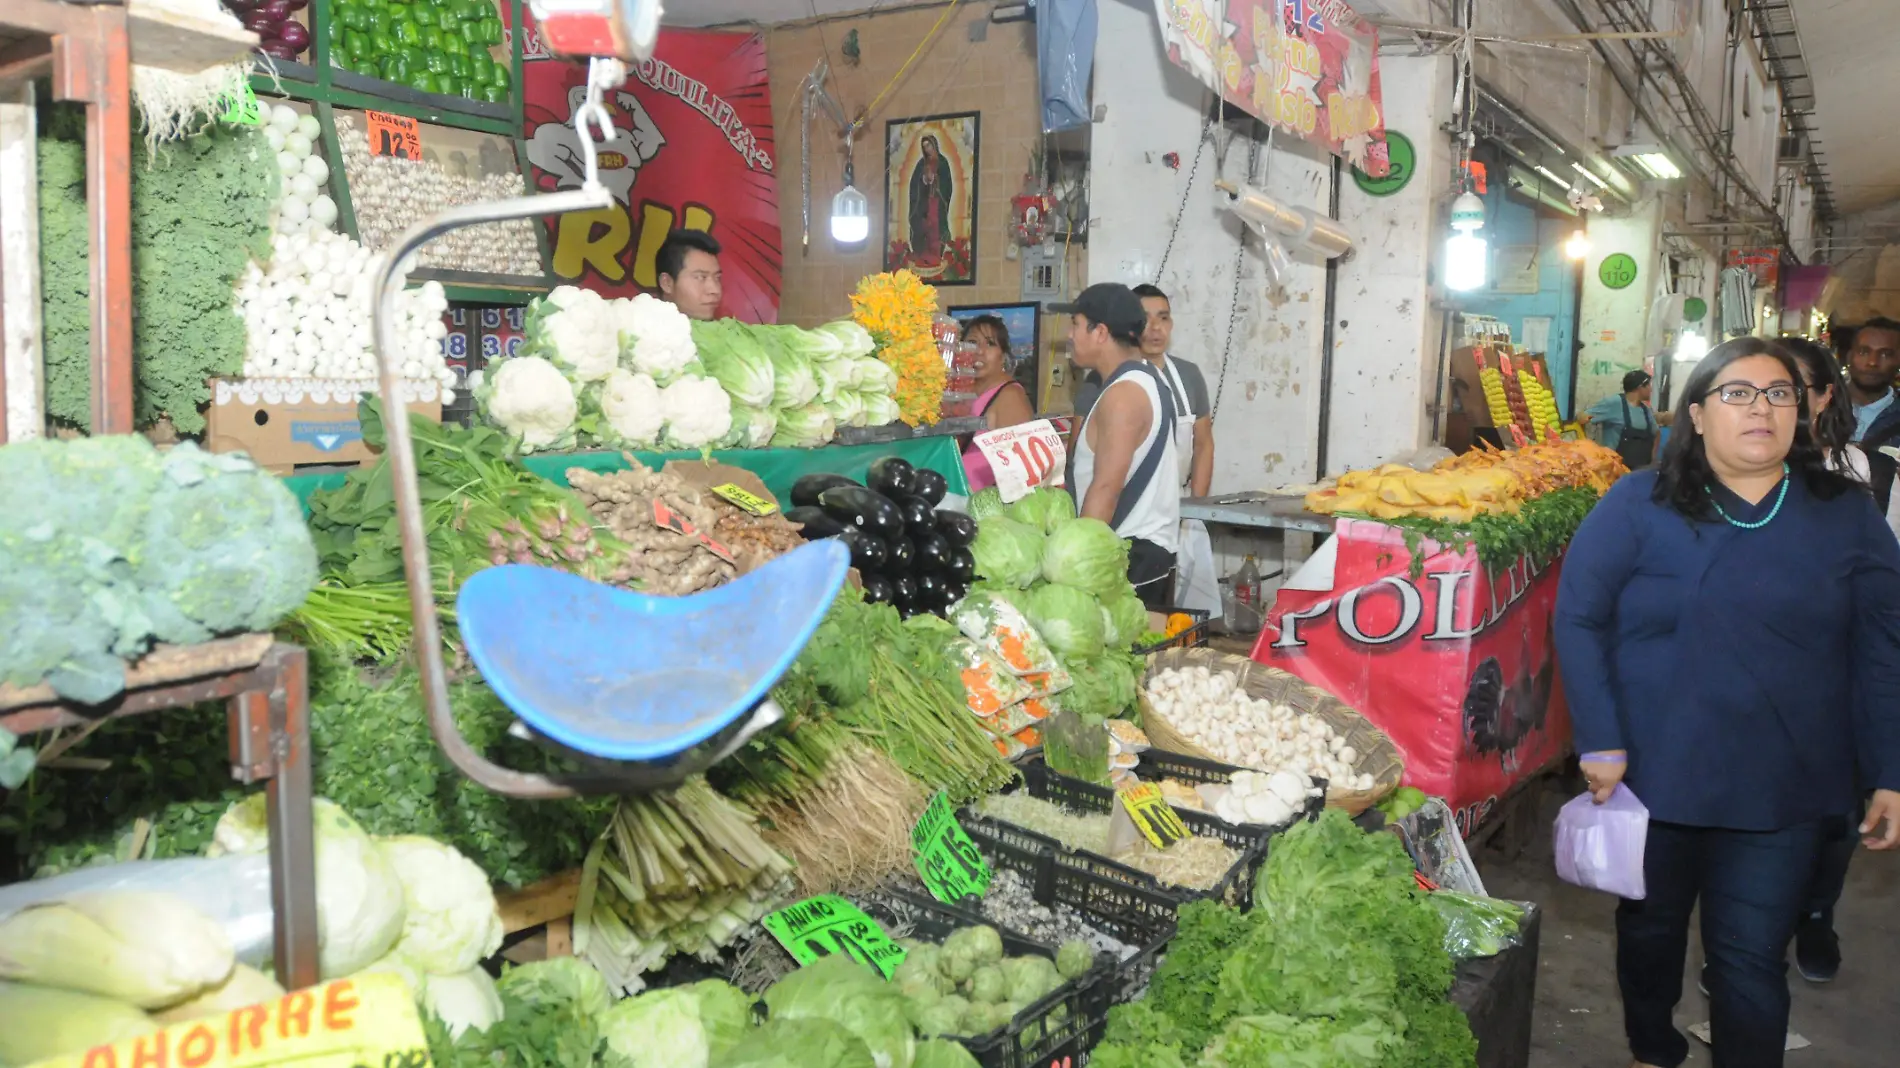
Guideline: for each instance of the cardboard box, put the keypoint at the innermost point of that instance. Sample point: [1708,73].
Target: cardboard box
[283,422]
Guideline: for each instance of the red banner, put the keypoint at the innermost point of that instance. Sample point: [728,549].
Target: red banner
[692,147]
[1456,665]
[1307,66]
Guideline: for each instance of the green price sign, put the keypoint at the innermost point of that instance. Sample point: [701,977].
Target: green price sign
[242,109]
[825,925]
[1694,310]
[1404,161]
[1617,271]
[947,860]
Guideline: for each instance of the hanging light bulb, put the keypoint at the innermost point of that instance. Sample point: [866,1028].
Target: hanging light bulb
[850,213]
[1467,256]
[1579,244]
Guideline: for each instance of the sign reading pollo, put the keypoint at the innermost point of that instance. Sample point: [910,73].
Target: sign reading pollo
[691,148]
[1455,662]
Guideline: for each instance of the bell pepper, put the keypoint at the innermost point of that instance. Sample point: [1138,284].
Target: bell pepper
[472,10]
[356,44]
[446,18]
[459,65]
[491,30]
[407,33]
[394,67]
[470,34]
[500,78]
[422,81]
[436,63]
[431,37]
[494,94]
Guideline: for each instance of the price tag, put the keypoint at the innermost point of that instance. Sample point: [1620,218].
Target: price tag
[242,108]
[1023,457]
[393,135]
[369,1020]
[821,926]
[677,523]
[749,502]
[945,857]
[1154,817]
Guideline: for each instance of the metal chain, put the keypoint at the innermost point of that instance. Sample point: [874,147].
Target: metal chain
[1181,212]
[1240,251]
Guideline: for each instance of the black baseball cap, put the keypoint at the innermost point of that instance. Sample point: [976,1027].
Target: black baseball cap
[1109,304]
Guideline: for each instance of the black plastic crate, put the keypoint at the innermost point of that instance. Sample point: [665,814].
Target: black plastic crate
[1158,764]
[1190,638]
[1061,1028]
[1235,887]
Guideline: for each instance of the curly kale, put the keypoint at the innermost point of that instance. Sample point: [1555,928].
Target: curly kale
[200,212]
[124,548]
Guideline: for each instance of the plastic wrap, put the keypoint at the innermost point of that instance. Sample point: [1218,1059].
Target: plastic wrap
[1477,926]
[1065,56]
[1600,847]
[231,891]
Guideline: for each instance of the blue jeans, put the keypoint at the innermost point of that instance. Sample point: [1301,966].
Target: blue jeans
[1752,886]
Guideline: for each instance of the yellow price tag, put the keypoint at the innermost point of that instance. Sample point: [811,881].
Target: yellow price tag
[748,501]
[367,1021]
[1154,817]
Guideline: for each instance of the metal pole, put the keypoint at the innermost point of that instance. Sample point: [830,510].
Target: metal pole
[1331,309]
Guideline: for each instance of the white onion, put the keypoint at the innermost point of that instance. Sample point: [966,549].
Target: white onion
[307,126]
[288,164]
[300,187]
[290,209]
[284,117]
[298,145]
[274,138]
[316,168]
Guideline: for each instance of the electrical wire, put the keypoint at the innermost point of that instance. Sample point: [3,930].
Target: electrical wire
[921,48]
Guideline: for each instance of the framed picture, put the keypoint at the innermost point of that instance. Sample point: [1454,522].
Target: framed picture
[1024,323]
[930,172]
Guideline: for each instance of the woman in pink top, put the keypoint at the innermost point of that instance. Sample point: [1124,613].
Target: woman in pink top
[1000,399]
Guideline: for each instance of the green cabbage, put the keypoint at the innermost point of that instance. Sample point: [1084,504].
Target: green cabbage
[1124,618]
[680,1027]
[556,982]
[986,504]
[847,408]
[843,991]
[1067,618]
[737,360]
[793,384]
[853,340]
[803,428]
[942,1053]
[1008,552]
[800,1043]
[1104,687]
[873,375]
[831,378]
[811,344]
[880,410]
[1088,555]
[1045,509]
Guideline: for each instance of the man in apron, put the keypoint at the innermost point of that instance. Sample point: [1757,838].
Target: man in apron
[1196,585]
[1627,423]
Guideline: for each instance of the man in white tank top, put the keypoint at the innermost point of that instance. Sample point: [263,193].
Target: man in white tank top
[1126,471]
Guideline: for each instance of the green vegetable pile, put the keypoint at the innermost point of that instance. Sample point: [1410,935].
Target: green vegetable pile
[1341,964]
[554,1014]
[967,986]
[124,547]
[1477,926]
[1402,802]
[1069,578]
[201,212]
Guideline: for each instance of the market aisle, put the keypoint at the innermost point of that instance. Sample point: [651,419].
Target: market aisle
[1579,1023]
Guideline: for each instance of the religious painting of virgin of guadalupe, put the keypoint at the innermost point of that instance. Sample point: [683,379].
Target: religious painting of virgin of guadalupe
[930,170]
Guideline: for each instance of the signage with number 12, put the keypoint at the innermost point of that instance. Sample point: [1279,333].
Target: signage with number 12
[1023,457]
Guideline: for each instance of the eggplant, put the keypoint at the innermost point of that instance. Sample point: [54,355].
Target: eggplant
[893,476]
[877,589]
[806,490]
[957,529]
[905,611]
[868,552]
[954,590]
[931,486]
[933,554]
[930,590]
[870,512]
[903,555]
[817,523]
[919,518]
[903,591]
[962,566]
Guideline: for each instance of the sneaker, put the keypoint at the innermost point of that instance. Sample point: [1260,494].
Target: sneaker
[1817,949]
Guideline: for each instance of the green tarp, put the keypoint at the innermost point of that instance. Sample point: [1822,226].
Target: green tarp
[777,468]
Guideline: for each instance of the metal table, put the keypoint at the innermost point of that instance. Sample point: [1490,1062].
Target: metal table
[1260,510]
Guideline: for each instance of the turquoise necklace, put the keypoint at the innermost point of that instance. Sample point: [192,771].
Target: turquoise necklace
[1780,496]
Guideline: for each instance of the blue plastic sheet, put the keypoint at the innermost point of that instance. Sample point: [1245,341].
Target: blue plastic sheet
[1065,54]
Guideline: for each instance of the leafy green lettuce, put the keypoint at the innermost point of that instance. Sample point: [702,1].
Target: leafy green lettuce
[1067,618]
[1088,555]
[1007,551]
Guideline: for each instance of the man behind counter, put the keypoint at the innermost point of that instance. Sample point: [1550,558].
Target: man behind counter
[688,269]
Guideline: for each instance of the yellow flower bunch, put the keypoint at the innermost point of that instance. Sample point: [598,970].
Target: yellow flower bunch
[897,309]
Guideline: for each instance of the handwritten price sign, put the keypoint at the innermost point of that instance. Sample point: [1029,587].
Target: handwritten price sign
[822,926]
[1153,816]
[393,135]
[946,859]
[1023,457]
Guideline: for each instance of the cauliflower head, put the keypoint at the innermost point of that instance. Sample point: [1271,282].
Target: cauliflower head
[631,405]
[579,333]
[697,411]
[530,398]
[655,337]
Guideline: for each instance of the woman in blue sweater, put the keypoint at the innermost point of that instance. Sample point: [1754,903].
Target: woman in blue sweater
[1728,627]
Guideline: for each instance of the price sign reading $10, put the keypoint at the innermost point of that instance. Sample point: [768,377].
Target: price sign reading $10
[1023,457]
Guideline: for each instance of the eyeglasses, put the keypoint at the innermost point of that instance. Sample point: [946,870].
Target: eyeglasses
[1742,395]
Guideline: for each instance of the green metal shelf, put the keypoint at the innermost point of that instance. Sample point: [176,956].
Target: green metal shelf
[326,87]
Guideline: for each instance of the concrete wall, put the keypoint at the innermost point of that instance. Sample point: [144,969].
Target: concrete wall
[995,76]
[1615,323]
[1511,224]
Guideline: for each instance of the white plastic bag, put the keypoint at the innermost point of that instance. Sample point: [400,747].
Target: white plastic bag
[1600,847]
[233,892]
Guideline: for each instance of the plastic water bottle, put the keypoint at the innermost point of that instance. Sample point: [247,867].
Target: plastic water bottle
[1247,584]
